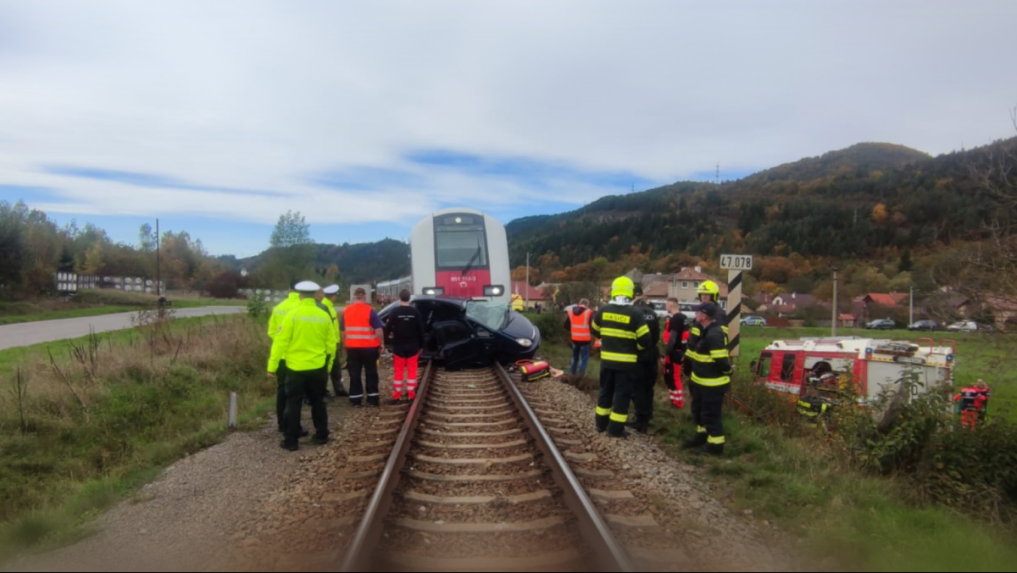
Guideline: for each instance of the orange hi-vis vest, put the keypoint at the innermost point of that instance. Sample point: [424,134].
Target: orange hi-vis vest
[359,332]
[581,326]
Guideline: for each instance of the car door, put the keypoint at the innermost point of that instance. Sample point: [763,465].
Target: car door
[459,345]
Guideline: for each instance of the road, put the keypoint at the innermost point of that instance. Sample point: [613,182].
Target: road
[28,333]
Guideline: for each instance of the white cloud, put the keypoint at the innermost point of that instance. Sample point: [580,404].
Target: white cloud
[264,95]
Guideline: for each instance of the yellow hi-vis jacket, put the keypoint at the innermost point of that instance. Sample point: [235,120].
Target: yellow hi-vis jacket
[280,311]
[335,317]
[307,339]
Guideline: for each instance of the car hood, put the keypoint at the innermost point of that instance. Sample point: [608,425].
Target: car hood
[518,326]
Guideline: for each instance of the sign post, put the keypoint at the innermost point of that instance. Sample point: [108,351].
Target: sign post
[735,266]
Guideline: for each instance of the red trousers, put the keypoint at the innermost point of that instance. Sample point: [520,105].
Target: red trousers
[410,367]
[673,380]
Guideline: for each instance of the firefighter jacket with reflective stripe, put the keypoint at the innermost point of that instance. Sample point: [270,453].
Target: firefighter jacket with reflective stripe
[580,324]
[359,332]
[280,311]
[306,340]
[695,333]
[330,306]
[711,362]
[624,333]
[812,407]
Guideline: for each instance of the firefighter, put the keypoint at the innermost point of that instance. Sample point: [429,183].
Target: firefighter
[307,339]
[577,322]
[708,291]
[274,324]
[649,369]
[331,293]
[625,334]
[711,379]
[812,405]
[675,337]
[973,403]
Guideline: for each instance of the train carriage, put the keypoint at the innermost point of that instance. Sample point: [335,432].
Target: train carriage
[460,253]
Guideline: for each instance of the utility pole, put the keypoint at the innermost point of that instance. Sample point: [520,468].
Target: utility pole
[527,285]
[718,174]
[834,332]
[158,260]
[911,299]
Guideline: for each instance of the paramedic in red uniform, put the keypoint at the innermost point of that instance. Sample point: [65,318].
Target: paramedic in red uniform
[405,329]
[578,324]
[675,336]
[364,334]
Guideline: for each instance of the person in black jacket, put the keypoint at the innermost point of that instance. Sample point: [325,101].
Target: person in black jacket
[625,334]
[675,336]
[649,369]
[711,379]
[405,331]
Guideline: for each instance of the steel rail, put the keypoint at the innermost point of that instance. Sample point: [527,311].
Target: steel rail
[594,530]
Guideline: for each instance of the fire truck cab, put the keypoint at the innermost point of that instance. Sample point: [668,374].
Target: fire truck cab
[872,366]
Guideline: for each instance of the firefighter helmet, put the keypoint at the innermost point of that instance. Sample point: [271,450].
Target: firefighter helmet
[710,288]
[623,286]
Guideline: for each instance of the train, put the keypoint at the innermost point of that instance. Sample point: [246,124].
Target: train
[460,253]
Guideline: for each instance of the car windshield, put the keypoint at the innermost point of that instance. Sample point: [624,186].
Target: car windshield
[493,315]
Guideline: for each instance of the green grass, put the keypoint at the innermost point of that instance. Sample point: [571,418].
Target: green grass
[147,406]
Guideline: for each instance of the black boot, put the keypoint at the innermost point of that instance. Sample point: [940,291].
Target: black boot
[695,442]
[715,449]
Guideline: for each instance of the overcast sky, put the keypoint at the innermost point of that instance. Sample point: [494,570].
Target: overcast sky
[365,116]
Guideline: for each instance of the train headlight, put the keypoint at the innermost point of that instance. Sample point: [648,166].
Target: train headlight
[433,291]
[524,342]
[494,290]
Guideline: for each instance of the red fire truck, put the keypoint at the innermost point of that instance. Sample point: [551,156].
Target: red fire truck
[872,366]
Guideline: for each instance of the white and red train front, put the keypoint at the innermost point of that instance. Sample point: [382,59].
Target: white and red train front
[461,253]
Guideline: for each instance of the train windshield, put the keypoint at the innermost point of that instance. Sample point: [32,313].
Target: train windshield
[491,314]
[460,242]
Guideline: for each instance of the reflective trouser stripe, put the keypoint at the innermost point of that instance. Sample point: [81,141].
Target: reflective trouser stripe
[603,411]
[620,418]
[700,430]
[716,441]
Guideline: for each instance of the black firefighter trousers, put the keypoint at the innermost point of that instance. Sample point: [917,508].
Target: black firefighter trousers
[646,382]
[707,411]
[616,390]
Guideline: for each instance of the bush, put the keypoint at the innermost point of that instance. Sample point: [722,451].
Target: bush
[226,284]
[550,326]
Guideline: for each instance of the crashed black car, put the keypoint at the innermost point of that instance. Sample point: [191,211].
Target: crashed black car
[472,333]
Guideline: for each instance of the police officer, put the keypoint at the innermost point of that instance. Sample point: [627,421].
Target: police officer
[331,293]
[625,334]
[711,379]
[274,324]
[307,339]
[648,369]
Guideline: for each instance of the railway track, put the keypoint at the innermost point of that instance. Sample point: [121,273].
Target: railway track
[474,482]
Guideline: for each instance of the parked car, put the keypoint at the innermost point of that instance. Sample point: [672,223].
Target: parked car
[928,325]
[472,333]
[753,321]
[882,324]
[963,326]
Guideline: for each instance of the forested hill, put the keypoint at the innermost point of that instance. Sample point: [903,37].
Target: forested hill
[849,203]
[359,263]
